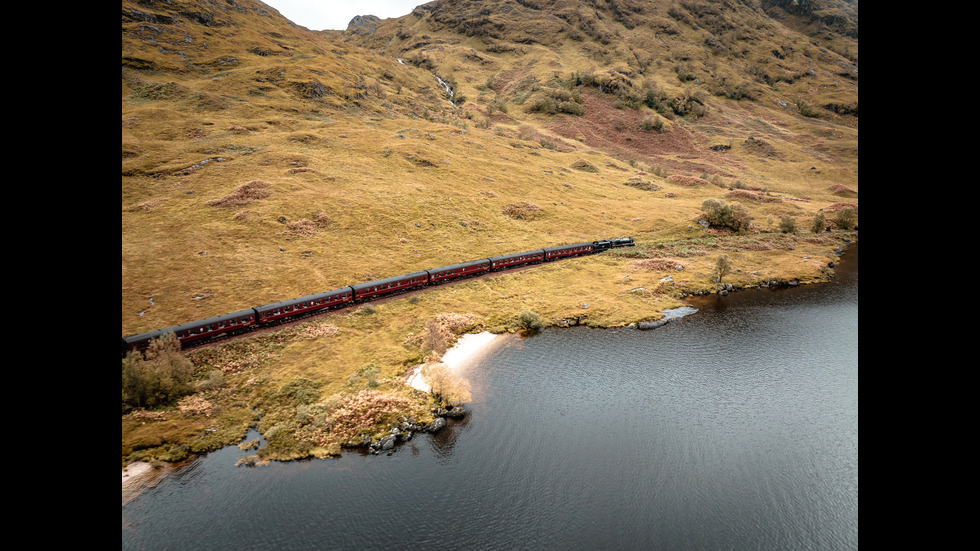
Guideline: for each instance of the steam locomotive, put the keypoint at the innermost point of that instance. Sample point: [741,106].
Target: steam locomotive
[276,312]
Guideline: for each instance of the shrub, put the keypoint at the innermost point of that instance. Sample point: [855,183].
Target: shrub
[819,224]
[787,224]
[845,218]
[717,212]
[157,378]
[571,107]
[547,106]
[653,123]
[529,320]
[741,219]
[721,214]
[687,181]
[370,372]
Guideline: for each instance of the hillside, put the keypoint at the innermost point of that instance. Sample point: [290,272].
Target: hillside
[263,161]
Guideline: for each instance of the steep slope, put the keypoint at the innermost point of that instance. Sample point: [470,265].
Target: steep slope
[659,61]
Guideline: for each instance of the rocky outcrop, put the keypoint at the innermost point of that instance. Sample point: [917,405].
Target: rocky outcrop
[407,429]
[669,316]
[363,24]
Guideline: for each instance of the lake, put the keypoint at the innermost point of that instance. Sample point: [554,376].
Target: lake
[735,427]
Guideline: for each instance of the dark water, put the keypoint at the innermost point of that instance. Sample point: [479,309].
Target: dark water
[734,428]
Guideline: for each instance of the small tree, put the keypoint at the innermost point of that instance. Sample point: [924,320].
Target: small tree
[159,377]
[787,224]
[721,214]
[741,219]
[718,212]
[722,267]
[819,223]
[845,218]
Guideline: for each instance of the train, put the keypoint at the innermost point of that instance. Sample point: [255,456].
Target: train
[195,332]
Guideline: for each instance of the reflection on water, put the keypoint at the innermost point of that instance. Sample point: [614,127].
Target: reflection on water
[734,428]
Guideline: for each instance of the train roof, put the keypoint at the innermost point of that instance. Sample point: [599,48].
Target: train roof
[460,265]
[512,255]
[563,247]
[156,333]
[305,298]
[387,280]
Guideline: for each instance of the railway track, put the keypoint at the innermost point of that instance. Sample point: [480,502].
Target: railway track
[207,331]
[253,330]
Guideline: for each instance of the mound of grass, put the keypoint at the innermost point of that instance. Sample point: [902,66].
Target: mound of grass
[243,194]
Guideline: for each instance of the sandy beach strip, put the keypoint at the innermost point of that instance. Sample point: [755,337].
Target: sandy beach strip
[466,346]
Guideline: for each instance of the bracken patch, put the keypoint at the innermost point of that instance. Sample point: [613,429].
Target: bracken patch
[689,181]
[194,405]
[243,194]
[522,211]
[751,196]
[837,206]
[657,264]
[842,190]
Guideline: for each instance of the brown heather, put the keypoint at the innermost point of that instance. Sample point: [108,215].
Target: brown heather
[243,194]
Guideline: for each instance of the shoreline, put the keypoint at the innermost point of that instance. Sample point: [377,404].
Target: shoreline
[139,475]
[465,348]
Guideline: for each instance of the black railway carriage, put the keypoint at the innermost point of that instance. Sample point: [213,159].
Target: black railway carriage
[463,269]
[517,259]
[607,244]
[196,330]
[390,285]
[303,305]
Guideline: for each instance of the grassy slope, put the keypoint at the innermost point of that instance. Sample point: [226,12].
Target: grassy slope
[378,175]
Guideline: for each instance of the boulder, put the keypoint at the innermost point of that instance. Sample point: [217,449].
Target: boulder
[436,425]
